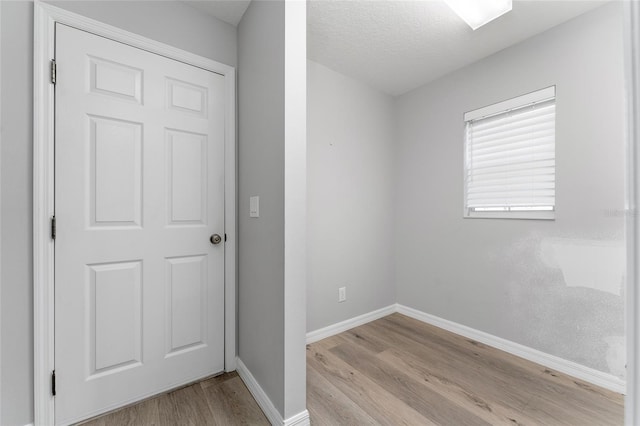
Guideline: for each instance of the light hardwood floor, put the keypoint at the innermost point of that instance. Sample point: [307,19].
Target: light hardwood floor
[397,371]
[222,400]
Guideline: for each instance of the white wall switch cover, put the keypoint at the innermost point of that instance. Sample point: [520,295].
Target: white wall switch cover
[342,294]
[254,206]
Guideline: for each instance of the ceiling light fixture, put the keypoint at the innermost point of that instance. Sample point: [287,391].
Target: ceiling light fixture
[476,13]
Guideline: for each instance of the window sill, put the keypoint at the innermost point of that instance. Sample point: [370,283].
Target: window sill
[526,215]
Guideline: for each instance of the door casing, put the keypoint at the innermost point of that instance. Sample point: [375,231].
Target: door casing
[45,17]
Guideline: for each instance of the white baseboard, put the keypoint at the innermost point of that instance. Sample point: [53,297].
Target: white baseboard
[269,410]
[323,333]
[300,419]
[599,378]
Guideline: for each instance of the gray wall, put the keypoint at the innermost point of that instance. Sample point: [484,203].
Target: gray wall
[166,21]
[556,286]
[350,205]
[16,312]
[271,165]
[261,162]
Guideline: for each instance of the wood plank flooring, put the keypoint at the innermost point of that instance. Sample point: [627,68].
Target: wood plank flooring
[222,400]
[397,371]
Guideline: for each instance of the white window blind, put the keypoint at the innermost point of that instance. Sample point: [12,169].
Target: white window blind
[510,157]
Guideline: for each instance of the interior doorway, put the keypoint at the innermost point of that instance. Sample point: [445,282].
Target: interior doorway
[170,186]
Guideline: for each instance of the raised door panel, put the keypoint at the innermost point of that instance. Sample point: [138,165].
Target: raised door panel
[186,303]
[115,168]
[115,313]
[186,97]
[187,177]
[114,79]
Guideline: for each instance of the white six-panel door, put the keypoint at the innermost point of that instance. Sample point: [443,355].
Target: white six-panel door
[139,189]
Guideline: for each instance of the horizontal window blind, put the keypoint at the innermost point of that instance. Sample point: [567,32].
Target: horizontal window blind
[510,159]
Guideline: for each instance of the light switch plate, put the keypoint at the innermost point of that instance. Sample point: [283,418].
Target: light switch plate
[254,206]
[342,294]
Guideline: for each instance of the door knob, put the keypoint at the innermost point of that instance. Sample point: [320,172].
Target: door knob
[215,239]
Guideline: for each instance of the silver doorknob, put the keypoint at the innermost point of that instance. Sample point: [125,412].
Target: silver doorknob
[215,239]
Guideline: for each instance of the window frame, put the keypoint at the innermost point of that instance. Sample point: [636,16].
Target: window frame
[517,102]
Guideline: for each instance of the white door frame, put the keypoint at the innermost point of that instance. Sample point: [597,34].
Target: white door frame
[45,17]
[632,74]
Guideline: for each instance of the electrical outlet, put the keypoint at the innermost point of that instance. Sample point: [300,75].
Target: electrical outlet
[342,294]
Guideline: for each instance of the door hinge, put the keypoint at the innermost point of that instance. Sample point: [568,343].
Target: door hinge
[53,383]
[54,70]
[53,227]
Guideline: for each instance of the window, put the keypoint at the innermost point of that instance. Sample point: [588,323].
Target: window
[510,165]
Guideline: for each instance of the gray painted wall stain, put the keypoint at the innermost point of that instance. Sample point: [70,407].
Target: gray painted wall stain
[566,295]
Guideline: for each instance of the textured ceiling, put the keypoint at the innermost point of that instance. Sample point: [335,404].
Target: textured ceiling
[396,46]
[229,11]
